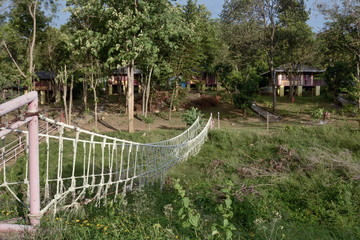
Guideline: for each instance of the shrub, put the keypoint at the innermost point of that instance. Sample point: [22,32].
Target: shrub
[246,95]
[202,102]
[318,113]
[191,115]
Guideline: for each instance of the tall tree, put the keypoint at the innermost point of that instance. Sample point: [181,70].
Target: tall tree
[295,39]
[126,38]
[27,21]
[342,36]
[162,31]
[87,31]
[262,16]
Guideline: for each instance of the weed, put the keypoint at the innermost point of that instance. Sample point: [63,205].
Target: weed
[226,211]
[270,229]
[189,216]
[318,113]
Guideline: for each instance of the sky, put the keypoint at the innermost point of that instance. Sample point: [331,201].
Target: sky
[215,6]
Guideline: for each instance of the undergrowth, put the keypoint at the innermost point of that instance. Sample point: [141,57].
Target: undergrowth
[297,183]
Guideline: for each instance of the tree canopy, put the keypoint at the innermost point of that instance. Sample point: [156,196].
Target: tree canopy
[165,39]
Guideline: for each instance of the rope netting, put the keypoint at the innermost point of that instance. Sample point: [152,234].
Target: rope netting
[78,166]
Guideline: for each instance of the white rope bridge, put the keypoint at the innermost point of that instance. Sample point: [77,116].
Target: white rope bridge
[78,166]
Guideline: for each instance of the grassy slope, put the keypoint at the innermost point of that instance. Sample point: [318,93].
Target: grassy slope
[298,183]
[294,182]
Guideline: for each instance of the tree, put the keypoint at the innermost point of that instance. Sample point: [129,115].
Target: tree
[25,21]
[196,47]
[262,17]
[295,38]
[88,42]
[162,31]
[247,90]
[339,77]
[126,38]
[342,34]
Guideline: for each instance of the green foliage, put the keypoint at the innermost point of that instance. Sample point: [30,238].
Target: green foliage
[16,30]
[310,178]
[189,216]
[340,36]
[191,115]
[148,120]
[299,183]
[227,212]
[246,95]
[318,113]
[339,78]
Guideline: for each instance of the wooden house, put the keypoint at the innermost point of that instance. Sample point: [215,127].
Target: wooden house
[118,80]
[44,84]
[302,77]
[202,81]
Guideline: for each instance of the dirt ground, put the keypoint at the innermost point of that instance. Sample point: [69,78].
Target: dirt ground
[112,119]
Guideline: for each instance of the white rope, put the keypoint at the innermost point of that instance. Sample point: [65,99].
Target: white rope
[47,193]
[107,162]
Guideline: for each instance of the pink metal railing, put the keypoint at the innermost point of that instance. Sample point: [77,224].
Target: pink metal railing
[15,148]
[30,99]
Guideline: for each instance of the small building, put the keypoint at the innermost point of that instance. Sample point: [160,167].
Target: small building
[118,80]
[202,81]
[302,77]
[44,84]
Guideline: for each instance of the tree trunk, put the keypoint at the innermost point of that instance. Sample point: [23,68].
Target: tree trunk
[130,96]
[273,83]
[32,9]
[358,79]
[85,89]
[71,98]
[93,87]
[291,92]
[64,83]
[95,108]
[143,94]
[148,92]
[57,91]
[119,91]
[172,100]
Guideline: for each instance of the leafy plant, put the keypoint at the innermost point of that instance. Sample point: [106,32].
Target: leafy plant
[318,113]
[226,211]
[191,115]
[148,120]
[189,216]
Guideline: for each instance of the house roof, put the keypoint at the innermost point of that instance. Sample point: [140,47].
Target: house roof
[45,75]
[123,70]
[298,68]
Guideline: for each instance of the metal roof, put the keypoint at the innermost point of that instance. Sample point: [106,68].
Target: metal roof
[45,75]
[123,71]
[298,68]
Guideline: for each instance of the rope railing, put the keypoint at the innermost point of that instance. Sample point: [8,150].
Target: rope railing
[85,166]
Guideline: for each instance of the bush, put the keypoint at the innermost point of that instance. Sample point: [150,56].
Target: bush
[318,113]
[191,115]
[246,95]
[203,101]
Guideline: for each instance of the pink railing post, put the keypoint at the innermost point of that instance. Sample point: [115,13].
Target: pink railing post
[32,119]
[34,170]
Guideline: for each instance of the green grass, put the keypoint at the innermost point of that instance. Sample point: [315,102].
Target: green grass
[292,182]
[295,183]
